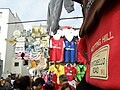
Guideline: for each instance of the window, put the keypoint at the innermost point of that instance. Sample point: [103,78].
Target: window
[0,14]
[25,62]
[0,55]
[16,64]
[0,29]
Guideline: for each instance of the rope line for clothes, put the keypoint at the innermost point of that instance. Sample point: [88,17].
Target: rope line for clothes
[42,20]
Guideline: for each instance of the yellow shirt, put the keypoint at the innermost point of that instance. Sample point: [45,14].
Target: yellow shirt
[59,69]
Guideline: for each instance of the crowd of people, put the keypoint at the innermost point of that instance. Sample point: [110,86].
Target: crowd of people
[33,83]
[39,83]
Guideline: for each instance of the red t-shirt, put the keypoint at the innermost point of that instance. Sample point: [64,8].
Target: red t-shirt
[57,50]
[70,71]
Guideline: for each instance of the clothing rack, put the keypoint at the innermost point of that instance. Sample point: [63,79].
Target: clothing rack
[43,20]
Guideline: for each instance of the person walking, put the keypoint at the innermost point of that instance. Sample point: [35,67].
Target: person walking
[64,85]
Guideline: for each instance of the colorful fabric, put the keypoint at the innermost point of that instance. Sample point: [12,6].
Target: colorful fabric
[81,50]
[54,12]
[70,51]
[81,70]
[44,41]
[57,50]
[33,64]
[70,71]
[25,57]
[58,69]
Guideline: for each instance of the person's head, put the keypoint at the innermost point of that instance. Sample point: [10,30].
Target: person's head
[8,80]
[63,78]
[66,86]
[39,82]
[23,83]
[9,76]
[2,82]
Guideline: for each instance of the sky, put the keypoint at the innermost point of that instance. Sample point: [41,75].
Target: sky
[30,10]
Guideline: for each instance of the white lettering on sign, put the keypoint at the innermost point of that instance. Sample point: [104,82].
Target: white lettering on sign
[99,63]
[98,43]
[108,36]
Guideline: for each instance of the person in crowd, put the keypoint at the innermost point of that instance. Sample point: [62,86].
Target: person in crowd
[64,85]
[32,67]
[1,86]
[8,84]
[12,79]
[22,83]
[2,80]
[16,84]
[39,84]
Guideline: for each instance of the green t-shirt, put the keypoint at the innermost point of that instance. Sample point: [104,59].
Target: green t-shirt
[81,70]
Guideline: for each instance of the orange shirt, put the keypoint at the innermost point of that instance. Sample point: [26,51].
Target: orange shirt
[33,64]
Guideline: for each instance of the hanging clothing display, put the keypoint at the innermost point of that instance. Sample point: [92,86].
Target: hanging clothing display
[54,12]
[77,44]
[23,56]
[58,69]
[44,41]
[70,51]
[36,32]
[57,50]
[78,1]
[70,71]
[81,70]
[32,67]
[29,48]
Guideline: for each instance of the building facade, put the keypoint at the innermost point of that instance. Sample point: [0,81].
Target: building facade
[6,32]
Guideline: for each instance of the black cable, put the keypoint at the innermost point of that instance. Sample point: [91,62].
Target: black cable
[43,20]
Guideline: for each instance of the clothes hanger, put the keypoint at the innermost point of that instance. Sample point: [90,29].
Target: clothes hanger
[68,64]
